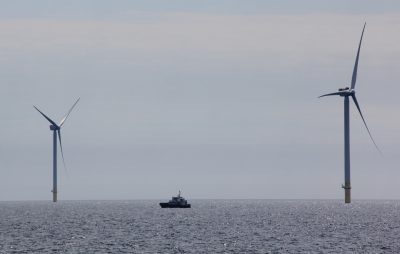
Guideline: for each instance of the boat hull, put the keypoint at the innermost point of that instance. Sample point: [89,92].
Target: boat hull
[168,205]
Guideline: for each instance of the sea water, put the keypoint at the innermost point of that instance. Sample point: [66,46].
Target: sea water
[210,226]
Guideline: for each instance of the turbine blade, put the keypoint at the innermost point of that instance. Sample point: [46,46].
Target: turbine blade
[330,94]
[48,118]
[62,152]
[354,77]
[362,117]
[69,112]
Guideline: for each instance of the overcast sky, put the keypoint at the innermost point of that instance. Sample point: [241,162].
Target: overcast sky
[215,98]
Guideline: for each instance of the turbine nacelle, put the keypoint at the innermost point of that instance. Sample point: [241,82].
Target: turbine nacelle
[346,91]
[54,127]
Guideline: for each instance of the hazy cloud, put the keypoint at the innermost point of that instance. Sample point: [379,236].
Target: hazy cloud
[221,104]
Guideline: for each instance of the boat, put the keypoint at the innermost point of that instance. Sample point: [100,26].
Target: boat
[176,202]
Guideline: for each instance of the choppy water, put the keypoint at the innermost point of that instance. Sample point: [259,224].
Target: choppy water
[211,226]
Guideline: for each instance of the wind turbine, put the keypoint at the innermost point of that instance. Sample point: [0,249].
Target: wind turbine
[346,93]
[56,128]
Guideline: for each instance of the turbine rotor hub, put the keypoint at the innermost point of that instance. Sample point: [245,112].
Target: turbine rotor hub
[346,91]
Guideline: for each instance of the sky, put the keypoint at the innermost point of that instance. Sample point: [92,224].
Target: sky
[214,98]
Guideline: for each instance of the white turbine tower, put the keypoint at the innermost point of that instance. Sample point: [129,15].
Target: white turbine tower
[346,93]
[56,128]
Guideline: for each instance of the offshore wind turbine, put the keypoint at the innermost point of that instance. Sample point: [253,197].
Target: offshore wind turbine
[346,93]
[56,128]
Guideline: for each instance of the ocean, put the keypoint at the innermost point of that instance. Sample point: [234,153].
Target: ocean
[210,226]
